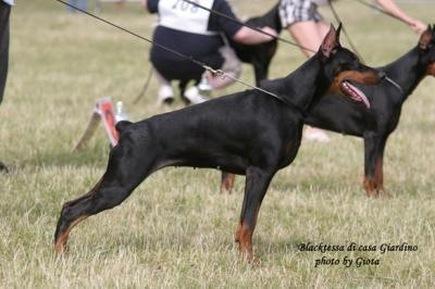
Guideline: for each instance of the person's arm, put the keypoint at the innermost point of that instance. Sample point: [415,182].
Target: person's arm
[235,31]
[246,35]
[391,7]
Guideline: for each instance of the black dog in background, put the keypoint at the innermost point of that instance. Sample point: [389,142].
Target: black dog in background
[374,126]
[260,55]
[249,133]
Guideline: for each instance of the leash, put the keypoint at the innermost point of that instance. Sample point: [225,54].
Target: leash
[395,84]
[247,25]
[145,86]
[378,9]
[215,72]
[337,17]
[372,6]
[334,12]
[349,40]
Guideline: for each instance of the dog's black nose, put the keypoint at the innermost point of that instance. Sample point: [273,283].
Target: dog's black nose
[382,75]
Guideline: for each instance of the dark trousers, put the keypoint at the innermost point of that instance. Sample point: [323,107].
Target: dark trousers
[5,11]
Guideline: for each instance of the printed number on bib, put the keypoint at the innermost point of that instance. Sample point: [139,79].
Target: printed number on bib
[184,6]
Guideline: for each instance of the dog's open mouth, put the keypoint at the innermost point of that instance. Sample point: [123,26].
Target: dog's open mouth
[354,92]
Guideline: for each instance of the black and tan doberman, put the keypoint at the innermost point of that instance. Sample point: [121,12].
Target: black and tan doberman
[249,133]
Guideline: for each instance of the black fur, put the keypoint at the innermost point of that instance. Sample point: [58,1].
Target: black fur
[249,133]
[375,125]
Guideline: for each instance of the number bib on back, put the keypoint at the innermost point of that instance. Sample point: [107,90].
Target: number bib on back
[180,15]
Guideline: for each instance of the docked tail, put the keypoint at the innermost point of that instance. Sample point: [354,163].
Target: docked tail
[122,125]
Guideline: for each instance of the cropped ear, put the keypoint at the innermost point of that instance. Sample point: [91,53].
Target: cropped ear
[425,38]
[330,43]
[339,32]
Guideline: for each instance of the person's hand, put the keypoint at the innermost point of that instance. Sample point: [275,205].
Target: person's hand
[271,32]
[144,3]
[418,26]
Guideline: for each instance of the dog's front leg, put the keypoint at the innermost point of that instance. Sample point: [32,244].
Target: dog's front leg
[257,182]
[374,147]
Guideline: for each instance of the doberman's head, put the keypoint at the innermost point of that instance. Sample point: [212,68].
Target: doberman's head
[426,47]
[343,68]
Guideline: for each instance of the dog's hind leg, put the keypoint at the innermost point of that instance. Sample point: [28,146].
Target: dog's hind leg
[257,182]
[125,171]
[182,87]
[227,182]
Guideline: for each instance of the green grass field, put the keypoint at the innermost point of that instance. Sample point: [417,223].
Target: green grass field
[176,230]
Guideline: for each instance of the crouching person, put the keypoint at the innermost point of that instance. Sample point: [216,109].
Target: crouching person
[199,34]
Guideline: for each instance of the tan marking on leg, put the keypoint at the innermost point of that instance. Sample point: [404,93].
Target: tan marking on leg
[227,182]
[379,179]
[61,241]
[245,241]
[244,238]
[369,187]
[237,233]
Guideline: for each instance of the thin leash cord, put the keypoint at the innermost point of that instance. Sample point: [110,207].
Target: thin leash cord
[216,72]
[378,9]
[145,86]
[395,84]
[349,40]
[249,26]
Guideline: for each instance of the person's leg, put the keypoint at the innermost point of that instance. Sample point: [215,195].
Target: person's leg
[305,25]
[323,28]
[165,94]
[5,11]
[307,34]
[184,71]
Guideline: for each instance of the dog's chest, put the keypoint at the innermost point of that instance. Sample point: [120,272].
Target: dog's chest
[291,147]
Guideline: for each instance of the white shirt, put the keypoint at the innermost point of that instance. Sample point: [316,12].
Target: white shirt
[320,2]
[185,17]
[10,2]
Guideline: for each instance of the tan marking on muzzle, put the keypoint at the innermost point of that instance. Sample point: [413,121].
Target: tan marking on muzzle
[431,69]
[367,77]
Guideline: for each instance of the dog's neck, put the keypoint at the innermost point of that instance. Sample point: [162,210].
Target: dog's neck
[271,19]
[407,71]
[275,21]
[303,86]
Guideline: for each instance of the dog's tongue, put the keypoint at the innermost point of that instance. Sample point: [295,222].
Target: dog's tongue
[356,94]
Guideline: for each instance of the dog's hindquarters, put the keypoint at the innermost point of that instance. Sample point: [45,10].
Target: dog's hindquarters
[128,166]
